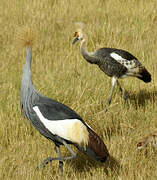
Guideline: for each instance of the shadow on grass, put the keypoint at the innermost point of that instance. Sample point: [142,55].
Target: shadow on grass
[112,165]
[83,164]
[141,98]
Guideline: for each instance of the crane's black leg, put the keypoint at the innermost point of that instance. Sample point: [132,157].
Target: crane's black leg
[121,90]
[60,162]
[59,158]
[114,80]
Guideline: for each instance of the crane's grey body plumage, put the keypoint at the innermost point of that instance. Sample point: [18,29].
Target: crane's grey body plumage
[108,64]
[53,111]
[116,63]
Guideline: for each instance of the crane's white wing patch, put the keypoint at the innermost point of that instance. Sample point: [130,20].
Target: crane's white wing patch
[128,64]
[70,129]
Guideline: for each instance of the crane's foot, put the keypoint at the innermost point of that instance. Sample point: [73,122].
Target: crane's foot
[44,163]
[60,168]
[106,109]
[124,96]
[49,159]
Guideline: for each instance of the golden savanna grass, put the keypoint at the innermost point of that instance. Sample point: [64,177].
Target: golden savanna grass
[60,72]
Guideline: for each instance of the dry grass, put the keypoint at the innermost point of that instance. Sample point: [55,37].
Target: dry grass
[61,73]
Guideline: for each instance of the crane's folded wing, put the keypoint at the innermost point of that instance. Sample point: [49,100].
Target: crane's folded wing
[53,110]
[70,129]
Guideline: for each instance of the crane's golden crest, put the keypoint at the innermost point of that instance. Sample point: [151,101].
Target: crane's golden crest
[25,37]
[79,25]
[75,34]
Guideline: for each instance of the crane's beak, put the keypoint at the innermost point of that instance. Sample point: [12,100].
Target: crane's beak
[75,40]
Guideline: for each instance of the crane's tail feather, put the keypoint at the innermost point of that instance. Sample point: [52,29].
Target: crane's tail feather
[144,75]
[96,147]
[25,37]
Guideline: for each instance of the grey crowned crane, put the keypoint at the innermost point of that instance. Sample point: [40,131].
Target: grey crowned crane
[55,121]
[115,63]
[150,139]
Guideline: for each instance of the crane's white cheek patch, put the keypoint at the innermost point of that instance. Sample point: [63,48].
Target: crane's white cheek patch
[70,129]
[140,147]
[128,64]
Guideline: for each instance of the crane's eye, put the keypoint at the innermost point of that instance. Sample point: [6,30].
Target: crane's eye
[75,34]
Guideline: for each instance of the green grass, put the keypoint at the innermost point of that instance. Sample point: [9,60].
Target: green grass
[60,72]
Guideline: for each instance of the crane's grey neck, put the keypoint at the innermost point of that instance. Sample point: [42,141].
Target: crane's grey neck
[27,87]
[89,56]
[27,73]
